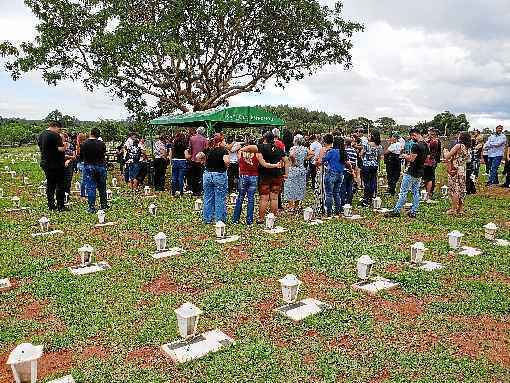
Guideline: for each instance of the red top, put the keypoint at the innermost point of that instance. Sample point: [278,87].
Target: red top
[279,144]
[248,165]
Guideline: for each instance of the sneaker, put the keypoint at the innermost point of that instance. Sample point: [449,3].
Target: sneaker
[392,214]
[411,215]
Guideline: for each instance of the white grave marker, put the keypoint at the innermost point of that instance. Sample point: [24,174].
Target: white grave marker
[23,361]
[5,284]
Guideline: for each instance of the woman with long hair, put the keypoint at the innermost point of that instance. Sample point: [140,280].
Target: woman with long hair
[456,159]
[320,190]
[215,180]
[295,185]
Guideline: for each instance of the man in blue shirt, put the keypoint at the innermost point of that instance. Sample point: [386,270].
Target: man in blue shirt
[495,146]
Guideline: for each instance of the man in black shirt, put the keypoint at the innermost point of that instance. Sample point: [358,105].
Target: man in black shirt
[52,162]
[93,154]
[412,178]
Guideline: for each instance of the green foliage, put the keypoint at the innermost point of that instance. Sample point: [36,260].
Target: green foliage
[187,55]
[447,123]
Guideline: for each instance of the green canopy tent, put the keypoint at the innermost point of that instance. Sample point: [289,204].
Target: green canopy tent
[222,117]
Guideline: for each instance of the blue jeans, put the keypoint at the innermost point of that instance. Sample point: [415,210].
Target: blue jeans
[179,169]
[247,185]
[83,190]
[347,189]
[409,183]
[332,186]
[94,177]
[369,174]
[494,163]
[215,196]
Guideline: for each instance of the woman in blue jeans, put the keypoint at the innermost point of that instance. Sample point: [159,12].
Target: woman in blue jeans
[248,182]
[371,156]
[215,180]
[335,161]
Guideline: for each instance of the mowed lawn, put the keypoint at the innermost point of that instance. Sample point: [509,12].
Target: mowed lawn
[450,325]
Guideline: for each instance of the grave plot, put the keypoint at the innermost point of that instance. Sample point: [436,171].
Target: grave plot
[417,261]
[367,284]
[44,224]
[221,234]
[161,249]
[87,265]
[5,284]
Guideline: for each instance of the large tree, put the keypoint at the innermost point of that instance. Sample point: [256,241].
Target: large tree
[184,54]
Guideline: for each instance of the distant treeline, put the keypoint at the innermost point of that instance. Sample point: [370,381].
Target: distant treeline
[19,131]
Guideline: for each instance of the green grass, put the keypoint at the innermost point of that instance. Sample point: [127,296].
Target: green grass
[360,339]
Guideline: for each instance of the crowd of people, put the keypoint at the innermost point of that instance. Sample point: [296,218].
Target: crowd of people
[333,167]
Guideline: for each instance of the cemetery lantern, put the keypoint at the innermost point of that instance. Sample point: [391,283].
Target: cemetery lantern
[187,319]
[77,186]
[7,169]
[25,180]
[147,190]
[42,190]
[23,361]
[347,210]
[153,209]
[101,215]
[16,202]
[377,203]
[454,239]
[1,193]
[308,214]
[424,195]
[114,182]
[290,288]
[86,253]
[364,267]
[66,198]
[13,174]
[109,195]
[198,204]
[233,198]
[160,239]
[444,191]
[417,252]
[220,229]
[270,219]
[44,222]
[490,231]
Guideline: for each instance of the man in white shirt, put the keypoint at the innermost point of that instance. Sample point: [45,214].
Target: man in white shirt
[315,147]
[495,145]
[393,162]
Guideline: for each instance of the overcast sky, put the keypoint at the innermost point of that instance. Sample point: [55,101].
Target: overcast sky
[414,60]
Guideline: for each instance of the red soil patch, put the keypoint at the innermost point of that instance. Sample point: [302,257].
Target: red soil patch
[54,363]
[149,357]
[381,376]
[236,254]
[485,337]
[98,352]
[309,359]
[384,310]
[33,310]
[164,285]
[393,268]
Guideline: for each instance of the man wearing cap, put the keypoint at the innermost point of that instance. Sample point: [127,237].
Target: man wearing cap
[495,145]
[197,144]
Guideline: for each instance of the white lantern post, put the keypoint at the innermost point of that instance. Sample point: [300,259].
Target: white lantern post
[42,190]
[86,253]
[454,239]
[270,220]
[13,174]
[308,214]
[44,222]
[109,195]
[424,195]
[377,203]
[160,239]
[114,182]
[101,216]
[16,202]
[187,319]
[490,231]
[417,252]
[347,210]
[77,186]
[66,198]
[290,288]
[25,180]
[364,267]
[147,190]
[198,205]
[220,229]
[233,198]
[153,209]
[23,361]
[7,169]
[1,193]
[444,191]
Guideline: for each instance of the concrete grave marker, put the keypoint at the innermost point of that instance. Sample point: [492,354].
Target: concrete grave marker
[172,252]
[430,266]
[5,284]
[303,309]
[470,251]
[92,268]
[376,285]
[65,379]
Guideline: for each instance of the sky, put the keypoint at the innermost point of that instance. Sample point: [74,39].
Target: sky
[415,59]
